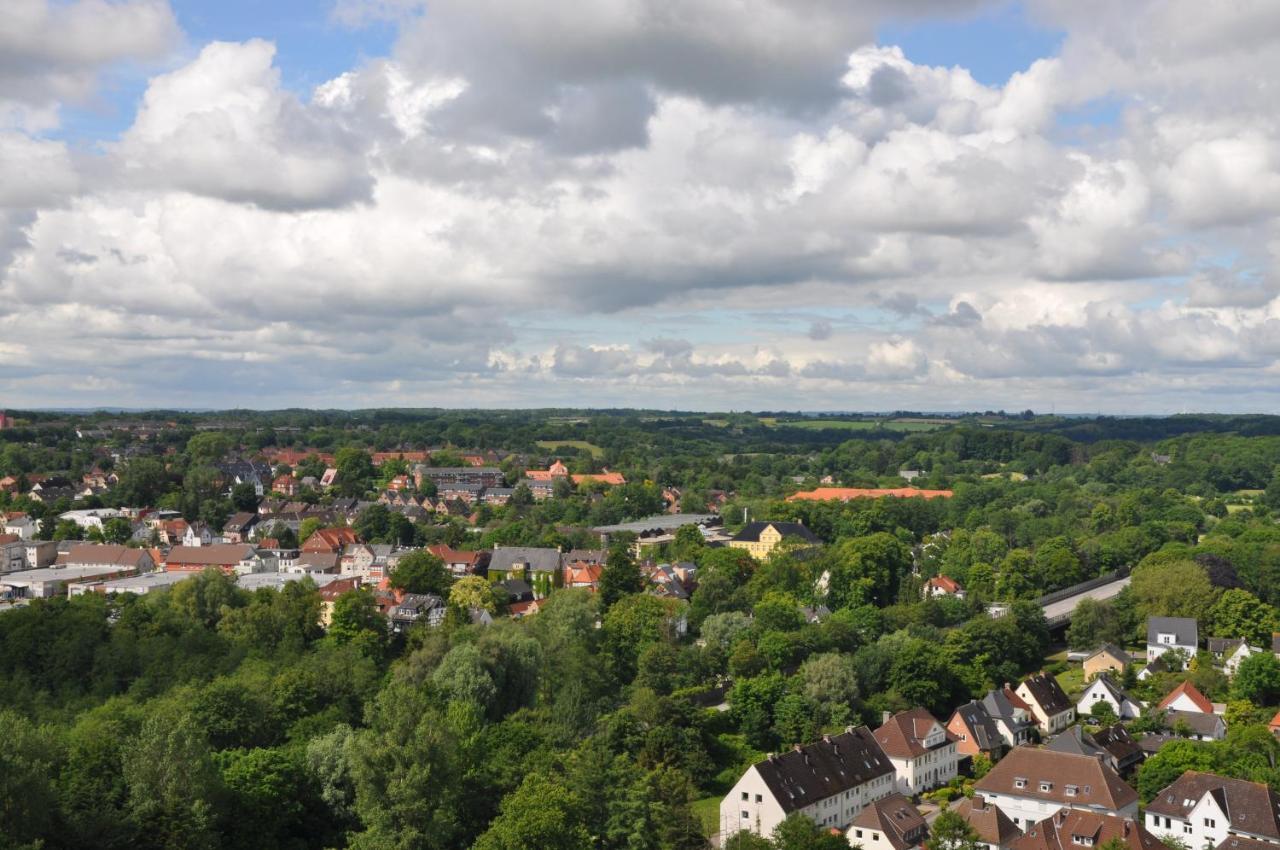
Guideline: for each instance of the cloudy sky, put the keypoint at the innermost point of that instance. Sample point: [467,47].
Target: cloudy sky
[728,204]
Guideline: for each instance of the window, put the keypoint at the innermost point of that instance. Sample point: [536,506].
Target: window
[1071,790]
[875,836]
[744,796]
[745,815]
[859,832]
[1019,782]
[759,799]
[1209,822]
[1186,827]
[1046,786]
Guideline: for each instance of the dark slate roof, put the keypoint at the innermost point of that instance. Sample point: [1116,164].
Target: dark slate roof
[1117,741]
[1185,630]
[986,735]
[750,532]
[1252,807]
[1205,725]
[1047,693]
[539,560]
[1119,654]
[997,705]
[901,823]
[819,770]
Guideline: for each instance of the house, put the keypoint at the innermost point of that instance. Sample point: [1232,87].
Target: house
[1002,710]
[943,586]
[13,555]
[231,558]
[329,597]
[239,527]
[672,581]
[1170,633]
[22,525]
[413,607]
[1274,725]
[760,538]
[830,781]
[1186,697]
[198,534]
[582,574]
[1220,648]
[558,470]
[333,539]
[994,829]
[1237,655]
[1107,658]
[1070,829]
[890,823]
[368,560]
[1195,725]
[286,485]
[539,567]
[1112,744]
[44,553]
[107,554]
[1030,783]
[1104,690]
[1048,703]
[1203,810]
[921,750]
[461,563]
[1154,668]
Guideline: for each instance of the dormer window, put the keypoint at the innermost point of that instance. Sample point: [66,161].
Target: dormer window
[1045,787]
[1072,790]
[1019,782]
[1082,840]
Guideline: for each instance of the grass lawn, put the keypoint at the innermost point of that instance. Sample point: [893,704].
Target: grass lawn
[595,450]
[707,811]
[1072,681]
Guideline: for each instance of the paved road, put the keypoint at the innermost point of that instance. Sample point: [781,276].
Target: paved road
[1062,609]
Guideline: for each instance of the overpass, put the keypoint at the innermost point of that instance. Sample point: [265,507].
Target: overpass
[1060,605]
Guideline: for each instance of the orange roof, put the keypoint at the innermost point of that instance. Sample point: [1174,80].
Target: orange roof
[581,572]
[1275,722]
[844,494]
[1201,702]
[611,478]
[945,584]
[331,539]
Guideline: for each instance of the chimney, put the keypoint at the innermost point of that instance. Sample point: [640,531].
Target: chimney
[884,716]
[826,739]
[1127,823]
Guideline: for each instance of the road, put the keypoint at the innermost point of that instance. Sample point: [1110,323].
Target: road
[1060,611]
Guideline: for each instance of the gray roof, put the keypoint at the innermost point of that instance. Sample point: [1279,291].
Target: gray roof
[538,560]
[1185,630]
[986,735]
[998,706]
[824,768]
[1204,725]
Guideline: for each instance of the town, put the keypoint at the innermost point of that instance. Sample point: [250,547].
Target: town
[981,633]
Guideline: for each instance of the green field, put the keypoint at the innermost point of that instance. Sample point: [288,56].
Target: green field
[860,424]
[582,445]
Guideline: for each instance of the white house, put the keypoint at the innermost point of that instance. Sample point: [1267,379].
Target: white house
[1187,697]
[1030,784]
[1241,652]
[830,781]
[1048,703]
[199,534]
[1103,689]
[91,517]
[1166,633]
[1202,809]
[922,751]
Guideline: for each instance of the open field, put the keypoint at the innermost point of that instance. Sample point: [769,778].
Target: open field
[582,445]
[707,811]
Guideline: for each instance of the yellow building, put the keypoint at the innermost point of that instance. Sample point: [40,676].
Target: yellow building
[1108,658]
[760,538]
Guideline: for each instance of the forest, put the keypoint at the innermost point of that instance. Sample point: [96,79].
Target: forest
[212,717]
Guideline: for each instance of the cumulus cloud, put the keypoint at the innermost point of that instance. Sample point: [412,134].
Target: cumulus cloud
[544,202]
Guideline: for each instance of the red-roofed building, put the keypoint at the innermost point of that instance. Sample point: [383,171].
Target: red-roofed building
[559,470]
[286,485]
[1186,697]
[583,574]
[943,586]
[332,540]
[461,563]
[329,596]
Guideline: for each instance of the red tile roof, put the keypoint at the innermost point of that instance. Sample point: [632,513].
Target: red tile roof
[1192,693]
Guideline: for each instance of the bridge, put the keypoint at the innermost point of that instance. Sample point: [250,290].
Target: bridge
[1060,605]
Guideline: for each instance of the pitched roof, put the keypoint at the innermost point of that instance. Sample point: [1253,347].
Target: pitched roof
[1047,693]
[990,823]
[334,589]
[1185,630]
[217,555]
[1117,741]
[982,728]
[1095,783]
[1221,645]
[1192,693]
[829,766]
[1238,842]
[896,818]
[944,583]
[1250,806]
[1000,703]
[1114,651]
[751,532]
[1076,827]
[903,734]
[538,560]
[103,554]
[1202,724]
[1112,688]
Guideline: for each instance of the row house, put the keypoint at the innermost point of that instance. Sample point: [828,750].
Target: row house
[829,781]
[993,725]
[1072,829]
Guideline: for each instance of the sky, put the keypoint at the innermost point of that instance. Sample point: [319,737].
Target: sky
[1068,205]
